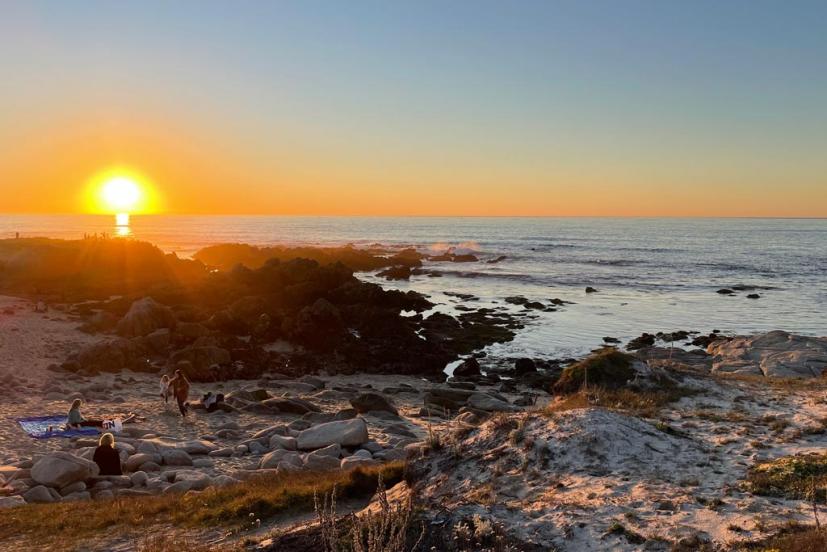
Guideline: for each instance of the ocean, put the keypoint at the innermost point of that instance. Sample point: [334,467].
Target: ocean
[652,274]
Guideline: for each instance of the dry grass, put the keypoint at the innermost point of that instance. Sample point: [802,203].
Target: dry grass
[607,368]
[236,506]
[645,403]
[795,477]
[794,538]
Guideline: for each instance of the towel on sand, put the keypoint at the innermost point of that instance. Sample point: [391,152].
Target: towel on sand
[38,427]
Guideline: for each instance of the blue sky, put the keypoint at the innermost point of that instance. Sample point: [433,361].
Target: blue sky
[547,97]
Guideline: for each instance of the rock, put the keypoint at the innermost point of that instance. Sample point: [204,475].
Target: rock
[725,291]
[483,401]
[139,479]
[645,340]
[59,469]
[345,414]
[222,453]
[524,366]
[320,463]
[271,459]
[144,317]
[348,433]
[104,495]
[333,451]
[198,480]
[178,487]
[396,273]
[352,462]
[38,495]
[76,487]
[150,467]
[80,495]
[366,402]
[196,447]
[176,457]
[468,368]
[292,406]
[440,398]
[201,359]
[224,480]
[753,296]
[136,461]
[590,289]
[279,441]
[611,340]
[11,501]
[773,354]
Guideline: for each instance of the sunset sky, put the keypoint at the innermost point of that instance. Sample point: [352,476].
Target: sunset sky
[635,108]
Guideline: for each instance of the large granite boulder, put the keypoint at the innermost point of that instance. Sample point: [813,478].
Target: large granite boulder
[347,433]
[144,317]
[773,354]
[59,469]
[200,360]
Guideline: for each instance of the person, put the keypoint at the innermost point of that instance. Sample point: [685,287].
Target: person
[181,389]
[212,402]
[106,456]
[166,388]
[75,419]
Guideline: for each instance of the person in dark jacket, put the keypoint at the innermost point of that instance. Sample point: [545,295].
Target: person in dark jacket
[107,457]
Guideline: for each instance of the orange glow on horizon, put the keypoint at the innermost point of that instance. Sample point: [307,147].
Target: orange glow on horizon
[122,192]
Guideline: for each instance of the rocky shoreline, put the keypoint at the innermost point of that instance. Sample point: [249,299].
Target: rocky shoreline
[323,372]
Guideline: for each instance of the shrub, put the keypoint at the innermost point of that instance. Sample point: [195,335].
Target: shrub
[607,368]
[794,477]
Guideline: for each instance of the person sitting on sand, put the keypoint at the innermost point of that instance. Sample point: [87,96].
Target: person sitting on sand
[181,389]
[107,457]
[75,419]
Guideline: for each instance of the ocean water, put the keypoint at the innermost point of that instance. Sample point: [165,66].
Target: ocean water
[652,274]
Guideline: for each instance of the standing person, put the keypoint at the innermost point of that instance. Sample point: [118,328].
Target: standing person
[181,389]
[107,457]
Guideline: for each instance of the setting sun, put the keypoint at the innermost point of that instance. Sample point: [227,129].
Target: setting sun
[120,191]
[121,194]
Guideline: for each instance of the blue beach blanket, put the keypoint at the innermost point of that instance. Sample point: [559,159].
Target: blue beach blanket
[38,427]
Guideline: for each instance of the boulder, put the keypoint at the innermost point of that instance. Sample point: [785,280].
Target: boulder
[347,433]
[367,402]
[144,317]
[352,462]
[139,479]
[201,359]
[134,462]
[468,368]
[11,501]
[773,354]
[282,442]
[59,469]
[292,406]
[198,480]
[524,366]
[320,463]
[176,457]
[483,401]
[445,397]
[38,495]
[196,447]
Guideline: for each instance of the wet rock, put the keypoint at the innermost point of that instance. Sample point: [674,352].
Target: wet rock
[645,340]
[468,368]
[524,366]
[590,289]
[753,296]
[725,291]
[396,273]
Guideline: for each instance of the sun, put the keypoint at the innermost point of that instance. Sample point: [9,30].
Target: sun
[121,194]
[120,191]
